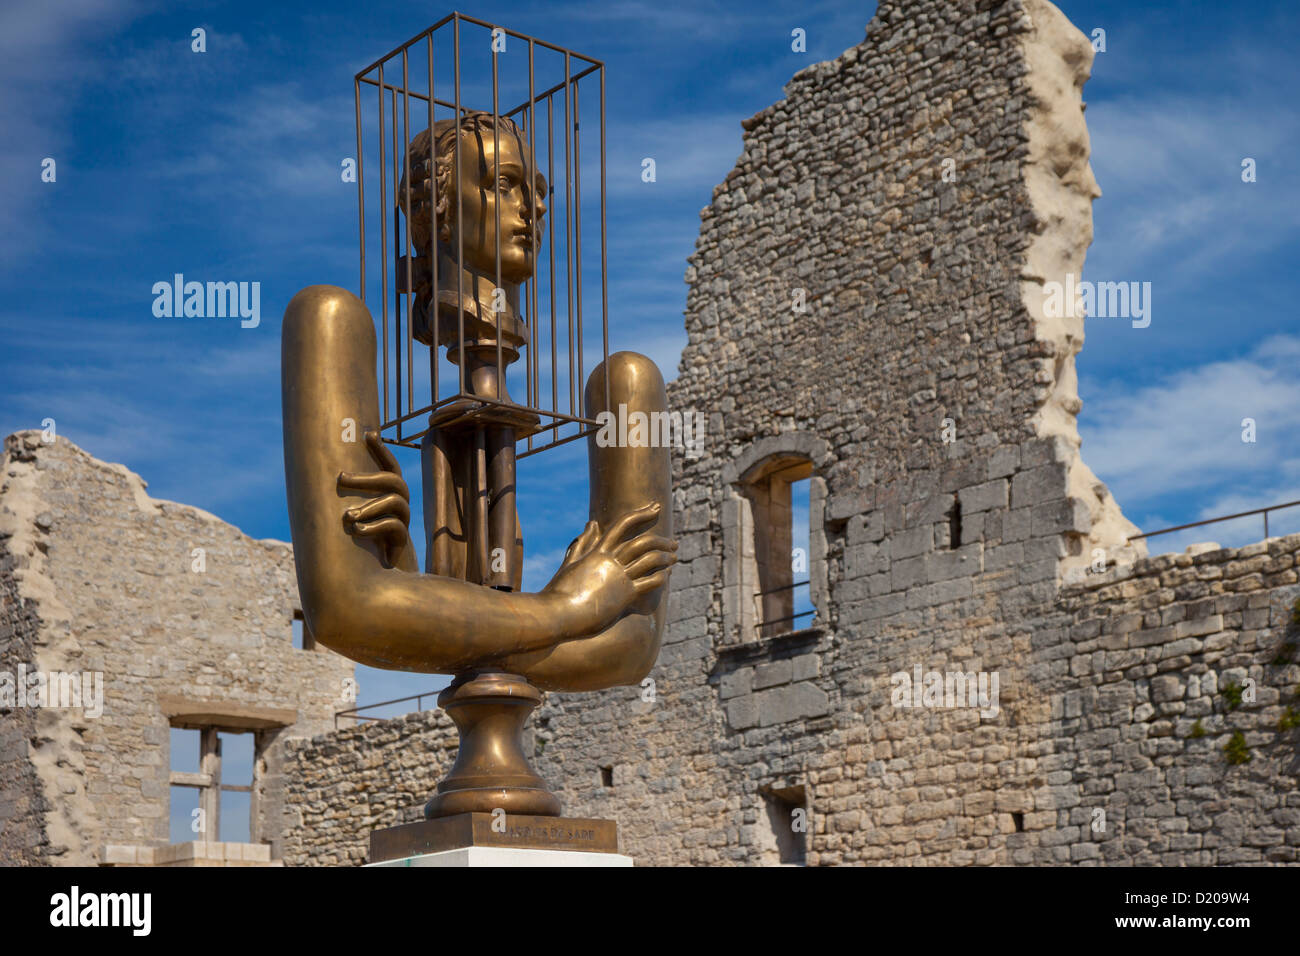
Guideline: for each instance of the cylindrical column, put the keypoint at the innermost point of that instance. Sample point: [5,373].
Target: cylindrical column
[501,508]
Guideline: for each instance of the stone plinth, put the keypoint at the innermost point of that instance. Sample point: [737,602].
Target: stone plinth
[497,832]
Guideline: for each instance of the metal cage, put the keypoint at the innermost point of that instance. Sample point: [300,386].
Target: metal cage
[457,66]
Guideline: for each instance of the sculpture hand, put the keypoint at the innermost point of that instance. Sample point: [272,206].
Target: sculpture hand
[603,574]
[387,517]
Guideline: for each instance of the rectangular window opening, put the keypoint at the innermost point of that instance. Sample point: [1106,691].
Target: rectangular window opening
[211,785]
[787,815]
[781,504]
[302,637]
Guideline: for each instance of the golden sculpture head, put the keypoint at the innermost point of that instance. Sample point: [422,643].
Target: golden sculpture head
[485,161]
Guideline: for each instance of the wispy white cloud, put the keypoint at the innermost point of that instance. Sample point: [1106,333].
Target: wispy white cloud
[692,154]
[719,24]
[32,37]
[1173,197]
[540,567]
[1178,439]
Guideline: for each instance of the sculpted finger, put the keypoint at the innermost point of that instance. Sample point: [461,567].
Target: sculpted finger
[646,585]
[394,505]
[633,519]
[630,550]
[374,482]
[383,526]
[381,453]
[654,561]
[389,531]
[587,540]
[581,545]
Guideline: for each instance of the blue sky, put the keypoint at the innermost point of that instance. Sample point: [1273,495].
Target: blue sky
[225,165]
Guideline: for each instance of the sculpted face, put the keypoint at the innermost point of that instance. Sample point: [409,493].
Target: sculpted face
[484,165]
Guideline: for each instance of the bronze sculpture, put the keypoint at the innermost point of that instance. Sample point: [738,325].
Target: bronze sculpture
[599,621]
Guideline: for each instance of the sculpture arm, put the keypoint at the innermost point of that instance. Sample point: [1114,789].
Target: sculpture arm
[621,479]
[359,594]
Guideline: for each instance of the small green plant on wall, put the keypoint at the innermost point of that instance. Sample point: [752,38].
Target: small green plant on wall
[1198,730]
[1232,694]
[1237,750]
[1285,654]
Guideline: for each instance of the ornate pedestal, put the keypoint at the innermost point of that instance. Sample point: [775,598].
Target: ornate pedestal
[491,772]
[492,809]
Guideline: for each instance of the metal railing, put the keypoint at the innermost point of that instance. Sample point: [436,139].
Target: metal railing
[1197,524]
[356,711]
[758,606]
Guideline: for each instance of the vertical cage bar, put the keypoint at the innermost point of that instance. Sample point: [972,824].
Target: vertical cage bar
[383,239]
[496,209]
[361,188]
[525,293]
[410,291]
[577,236]
[550,181]
[568,232]
[524,300]
[397,293]
[501,478]
[433,239]
[460,231]
[534,399]
[604,273]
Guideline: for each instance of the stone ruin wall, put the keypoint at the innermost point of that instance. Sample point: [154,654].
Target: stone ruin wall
[924,303]
[97,576]
[1127,716]
[22,799]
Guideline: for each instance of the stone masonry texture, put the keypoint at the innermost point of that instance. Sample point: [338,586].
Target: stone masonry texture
[96,576]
